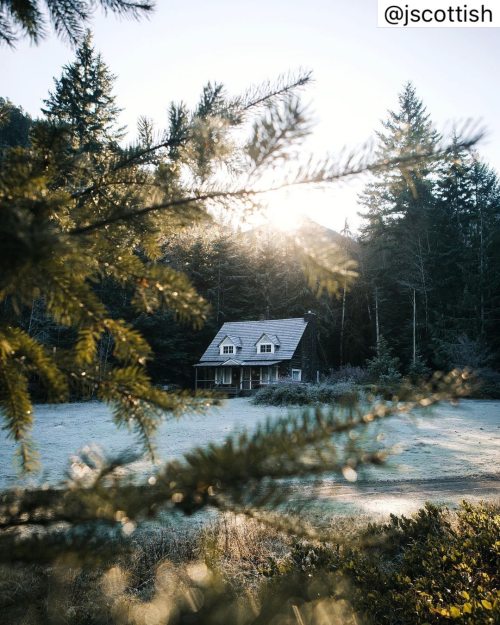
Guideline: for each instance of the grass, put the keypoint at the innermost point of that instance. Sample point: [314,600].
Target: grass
[435,567]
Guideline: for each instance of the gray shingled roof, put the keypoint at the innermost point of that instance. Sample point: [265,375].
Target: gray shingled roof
[287,331]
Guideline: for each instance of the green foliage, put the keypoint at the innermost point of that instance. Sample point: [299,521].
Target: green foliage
[384,367]
[290,394]
[446,569]
[435,567]
[21,357]
[428,259]
[14,125]
[418,369]
[68,17]
[83,100]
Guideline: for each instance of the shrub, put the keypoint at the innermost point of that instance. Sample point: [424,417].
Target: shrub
[431,568]
[347,373]
[383,368]
[304,394]
[488,384]
[418,370]
[435,567]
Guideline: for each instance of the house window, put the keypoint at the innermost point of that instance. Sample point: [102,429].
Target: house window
[228,349]
[226,375]
[296,375]
[266,348]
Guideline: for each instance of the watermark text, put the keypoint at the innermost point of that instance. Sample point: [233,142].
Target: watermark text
[439,13]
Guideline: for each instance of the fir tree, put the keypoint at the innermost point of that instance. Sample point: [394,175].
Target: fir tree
[463,236]
[15,125]
[396,232]
[82,100]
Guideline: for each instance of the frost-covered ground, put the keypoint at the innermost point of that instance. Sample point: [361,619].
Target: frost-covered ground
[439,448]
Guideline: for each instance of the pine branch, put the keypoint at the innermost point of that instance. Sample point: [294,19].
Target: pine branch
[68,17]
[320,173]
[265,93]
[243,474]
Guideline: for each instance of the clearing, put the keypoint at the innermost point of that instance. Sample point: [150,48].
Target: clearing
[445,456]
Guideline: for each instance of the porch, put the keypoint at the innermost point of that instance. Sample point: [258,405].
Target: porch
[233,379]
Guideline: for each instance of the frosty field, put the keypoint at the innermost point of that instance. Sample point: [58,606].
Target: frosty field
[447,455]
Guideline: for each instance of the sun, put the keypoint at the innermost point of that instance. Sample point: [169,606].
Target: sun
[285,210]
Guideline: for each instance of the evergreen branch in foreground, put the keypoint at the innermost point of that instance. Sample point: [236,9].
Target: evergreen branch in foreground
[324,172]
[243,474]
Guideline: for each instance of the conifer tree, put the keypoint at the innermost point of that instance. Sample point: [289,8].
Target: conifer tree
[399,205]
[83,101]
[14,125]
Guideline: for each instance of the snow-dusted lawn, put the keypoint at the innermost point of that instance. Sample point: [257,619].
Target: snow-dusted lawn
[448,443]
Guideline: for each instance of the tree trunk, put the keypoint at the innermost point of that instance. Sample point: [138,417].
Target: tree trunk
[342,323]
[414,326]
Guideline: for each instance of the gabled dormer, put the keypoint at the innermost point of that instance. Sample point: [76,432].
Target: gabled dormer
[229,345]
[267,344]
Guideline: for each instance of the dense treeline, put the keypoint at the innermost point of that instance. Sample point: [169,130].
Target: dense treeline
[428,253]
[430,250]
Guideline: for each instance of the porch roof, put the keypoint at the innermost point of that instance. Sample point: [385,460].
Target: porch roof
[233,363]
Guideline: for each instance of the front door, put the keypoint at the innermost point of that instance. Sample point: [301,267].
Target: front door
[235,377]
[255,375]
[246,378]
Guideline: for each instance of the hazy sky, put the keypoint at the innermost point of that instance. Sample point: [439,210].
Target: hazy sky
[358,69]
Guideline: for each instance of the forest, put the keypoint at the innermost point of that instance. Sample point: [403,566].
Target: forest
[427,255]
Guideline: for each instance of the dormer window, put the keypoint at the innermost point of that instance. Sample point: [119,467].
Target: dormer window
[267,344]
[229,345]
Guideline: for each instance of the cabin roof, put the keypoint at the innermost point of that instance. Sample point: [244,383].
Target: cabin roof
[284,332]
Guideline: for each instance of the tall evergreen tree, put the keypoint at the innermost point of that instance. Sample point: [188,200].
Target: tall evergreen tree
[83,100]
[399,205]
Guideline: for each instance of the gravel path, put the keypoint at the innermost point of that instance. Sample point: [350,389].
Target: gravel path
[398,496]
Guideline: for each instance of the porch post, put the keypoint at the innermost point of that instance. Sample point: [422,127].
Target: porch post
[241,378]
[196,378]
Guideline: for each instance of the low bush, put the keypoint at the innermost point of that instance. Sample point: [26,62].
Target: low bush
[293,394]
[488,384]
[433,568]
[348,373]
[436,567]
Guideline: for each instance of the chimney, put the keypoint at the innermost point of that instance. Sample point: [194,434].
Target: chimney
[310,317]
